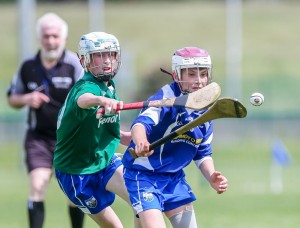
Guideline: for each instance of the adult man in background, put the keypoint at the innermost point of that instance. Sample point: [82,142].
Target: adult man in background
[42,83]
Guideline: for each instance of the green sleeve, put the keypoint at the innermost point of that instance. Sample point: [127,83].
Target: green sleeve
[87,87]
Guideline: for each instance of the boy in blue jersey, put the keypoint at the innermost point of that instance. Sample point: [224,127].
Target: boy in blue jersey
[155,180]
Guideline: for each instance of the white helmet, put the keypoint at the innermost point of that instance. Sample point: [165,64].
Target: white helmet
[99,42]
[191,57]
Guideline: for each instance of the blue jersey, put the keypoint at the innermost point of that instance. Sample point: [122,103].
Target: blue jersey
[179,152]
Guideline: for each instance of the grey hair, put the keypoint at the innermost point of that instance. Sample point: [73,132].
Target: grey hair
[50,20]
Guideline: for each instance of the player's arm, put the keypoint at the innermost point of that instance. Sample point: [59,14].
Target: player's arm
[16,100]
[17,97]
[88,100]
[34,100]
[125,137]
[215,178]
[207,168]
[140,140]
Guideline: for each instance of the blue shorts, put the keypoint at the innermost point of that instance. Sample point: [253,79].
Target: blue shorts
[88,191]
[148,190]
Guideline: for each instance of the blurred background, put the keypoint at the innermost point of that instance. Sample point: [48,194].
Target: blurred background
[254,48]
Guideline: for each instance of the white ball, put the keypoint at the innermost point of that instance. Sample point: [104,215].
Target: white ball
[257,99]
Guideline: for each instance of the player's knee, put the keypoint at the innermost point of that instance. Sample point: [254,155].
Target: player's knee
[184,218]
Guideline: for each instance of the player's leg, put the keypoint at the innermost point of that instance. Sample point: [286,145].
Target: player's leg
[39,179]
[39,161]
[178,202]
[147,219]
[152,218]
[76,215]
[88,193]
[107,218]
[116,185]
[146,197]
[183,216]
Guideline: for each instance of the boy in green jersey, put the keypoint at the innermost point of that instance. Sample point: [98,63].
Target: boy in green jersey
[87,169]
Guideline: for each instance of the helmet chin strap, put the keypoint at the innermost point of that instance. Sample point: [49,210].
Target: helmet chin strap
[103,78]
[184,92]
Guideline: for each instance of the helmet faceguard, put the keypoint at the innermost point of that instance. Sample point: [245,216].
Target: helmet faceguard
[191,57]
[100,43]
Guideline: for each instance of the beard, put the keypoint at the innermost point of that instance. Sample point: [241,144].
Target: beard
[54,54]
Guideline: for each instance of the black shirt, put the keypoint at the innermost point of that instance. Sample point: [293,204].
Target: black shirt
[55,83]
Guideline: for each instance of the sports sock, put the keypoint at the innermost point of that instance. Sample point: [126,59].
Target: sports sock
[184,219]
[76,216]
[36,212]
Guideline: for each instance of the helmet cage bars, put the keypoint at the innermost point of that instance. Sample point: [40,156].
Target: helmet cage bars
[191,57]
[100,42]
[115,65]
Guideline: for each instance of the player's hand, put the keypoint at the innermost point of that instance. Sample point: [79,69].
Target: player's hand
[36,99]
[111,106]
[142,149]
[218,182]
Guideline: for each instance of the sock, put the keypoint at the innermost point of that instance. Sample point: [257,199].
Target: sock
[36,212]
[76,216]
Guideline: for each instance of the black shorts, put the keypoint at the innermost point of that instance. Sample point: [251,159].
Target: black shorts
[39,150]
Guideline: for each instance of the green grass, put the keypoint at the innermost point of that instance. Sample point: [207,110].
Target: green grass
[150,32]
[247,203]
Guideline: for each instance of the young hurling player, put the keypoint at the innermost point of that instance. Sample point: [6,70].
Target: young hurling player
[156,180]
[87,169]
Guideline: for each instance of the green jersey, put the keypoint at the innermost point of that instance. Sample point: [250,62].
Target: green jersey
[86,144]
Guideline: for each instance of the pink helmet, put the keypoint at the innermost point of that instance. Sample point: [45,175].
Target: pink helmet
[191,57]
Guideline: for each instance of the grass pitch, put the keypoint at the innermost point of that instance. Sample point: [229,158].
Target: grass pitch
[248,203]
